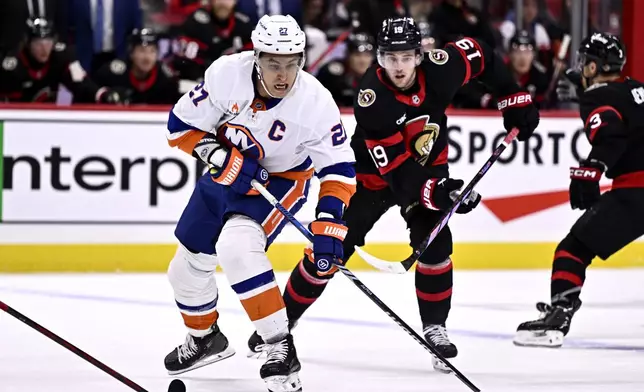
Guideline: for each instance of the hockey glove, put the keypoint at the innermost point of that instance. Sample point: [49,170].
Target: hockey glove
[584,184]
[439,194]
[238,171]
[328,234]
[519,112]
[569,86]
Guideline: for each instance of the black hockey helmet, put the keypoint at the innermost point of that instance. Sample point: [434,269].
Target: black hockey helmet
[398,34]
[38,28]
[142,37]
[522,40]
[360,43]
[605,50]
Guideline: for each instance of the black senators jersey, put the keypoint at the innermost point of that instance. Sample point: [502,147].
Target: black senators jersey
[405,132]
[203,39]
[613,115]
[158,87]
[22,79]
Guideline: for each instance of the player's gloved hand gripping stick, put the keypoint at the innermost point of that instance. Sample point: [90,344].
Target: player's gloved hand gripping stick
[403,266]
[309,236]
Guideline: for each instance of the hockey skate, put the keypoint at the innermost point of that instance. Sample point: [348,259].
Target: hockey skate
[197,352]
[551,326]
[256,346]
[436,334]
[280,371]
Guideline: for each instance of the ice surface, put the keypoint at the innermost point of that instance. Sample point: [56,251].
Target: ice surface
[345,342]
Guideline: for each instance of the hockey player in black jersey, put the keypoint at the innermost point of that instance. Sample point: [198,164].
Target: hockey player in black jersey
[612,110]
[34,73]
[143,79]
[400,145]
[209,33]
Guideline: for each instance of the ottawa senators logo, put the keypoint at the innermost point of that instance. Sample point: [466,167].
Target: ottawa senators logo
[420,136]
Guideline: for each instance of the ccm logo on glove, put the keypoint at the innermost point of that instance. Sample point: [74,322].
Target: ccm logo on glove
[518,100]
[585,173]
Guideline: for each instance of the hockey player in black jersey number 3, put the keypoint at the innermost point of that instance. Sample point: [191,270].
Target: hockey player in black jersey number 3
[613,113]
[402,128]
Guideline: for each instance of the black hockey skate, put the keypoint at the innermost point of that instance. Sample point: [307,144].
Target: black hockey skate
[197,352]
[551,326]
[280,371]
[256,345]
[436,334]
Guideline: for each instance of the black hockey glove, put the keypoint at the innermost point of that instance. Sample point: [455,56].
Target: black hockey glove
[519,112]
[439,194]
[569,86]
[584,184]
[109,96]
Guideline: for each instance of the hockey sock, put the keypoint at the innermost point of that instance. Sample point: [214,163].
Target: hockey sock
[303,288]
[569,269]
[434,291]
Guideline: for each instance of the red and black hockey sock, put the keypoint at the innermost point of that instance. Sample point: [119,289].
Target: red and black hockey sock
[303,288]
[434,291]
[571,259]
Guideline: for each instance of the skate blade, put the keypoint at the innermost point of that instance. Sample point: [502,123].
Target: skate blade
[551,339]
[290,383]
[228,352]
[439,366]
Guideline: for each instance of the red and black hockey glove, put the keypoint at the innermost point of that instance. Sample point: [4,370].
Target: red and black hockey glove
[439,194]
[238,171]
[328,234]
[584,184]
[519,112]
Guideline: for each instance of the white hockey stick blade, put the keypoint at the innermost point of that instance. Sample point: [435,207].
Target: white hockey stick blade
[395,267]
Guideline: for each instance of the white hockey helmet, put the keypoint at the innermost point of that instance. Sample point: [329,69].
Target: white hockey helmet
[278,34]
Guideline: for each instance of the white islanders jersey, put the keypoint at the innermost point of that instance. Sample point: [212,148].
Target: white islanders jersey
[301,132]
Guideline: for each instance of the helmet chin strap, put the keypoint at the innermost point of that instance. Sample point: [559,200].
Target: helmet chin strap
[261,80]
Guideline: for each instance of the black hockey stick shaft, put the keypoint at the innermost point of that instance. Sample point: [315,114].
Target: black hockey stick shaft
[309,236]
[409,262]
[71,347]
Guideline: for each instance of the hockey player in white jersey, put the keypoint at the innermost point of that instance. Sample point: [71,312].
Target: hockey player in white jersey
[257,115]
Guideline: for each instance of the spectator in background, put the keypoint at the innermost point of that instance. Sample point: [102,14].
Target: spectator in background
[209,33]
[35,71]
[528,73]
[14,14]
[255,9]
[143,79]
[342,77]
[99,29]
[370,14]
[531,23]
[454,19]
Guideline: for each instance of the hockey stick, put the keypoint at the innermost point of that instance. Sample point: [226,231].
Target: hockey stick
[401,267]
[561,55]
[429,347]
[71,347]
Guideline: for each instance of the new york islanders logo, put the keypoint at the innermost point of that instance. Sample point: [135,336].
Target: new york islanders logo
[241,137]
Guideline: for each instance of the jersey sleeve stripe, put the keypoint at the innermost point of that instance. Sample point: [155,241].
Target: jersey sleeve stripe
[478,47]
[340,190]
[386,142]
[468,67]
[395,163]
[187,141]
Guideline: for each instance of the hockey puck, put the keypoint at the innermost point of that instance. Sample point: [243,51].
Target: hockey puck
[177,386]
